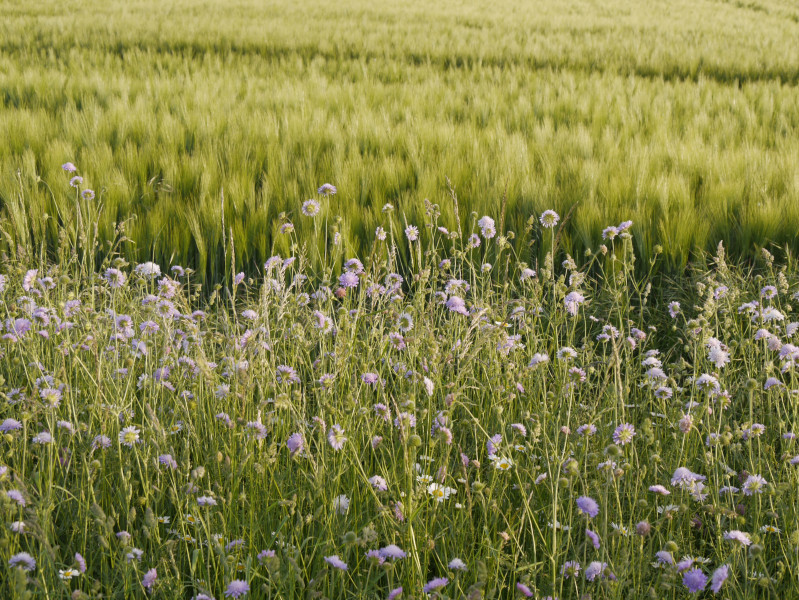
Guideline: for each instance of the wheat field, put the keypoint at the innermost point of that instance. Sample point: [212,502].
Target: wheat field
[678,115]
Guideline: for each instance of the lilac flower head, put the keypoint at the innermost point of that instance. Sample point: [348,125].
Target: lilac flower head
[588,506]
[295,443]
[456,304]
[524,590]
[570,569]
[336,562]
[623,434]
[394,594]
[69,167]
[149,579]
[572,302]
[718,578]
[549,218]
[349,279]
[393,551]
[435,584]
[594,538]
[16,496]
[327,189]
[684,478]
[23,560]
[237,588]
[10,425]
[695,580]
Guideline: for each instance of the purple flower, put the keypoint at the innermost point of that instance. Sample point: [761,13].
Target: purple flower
[684,477]
[570,569]
[593,537]
[295,443]
[392,551]
[79,560]
[739,537]
[327,189]
[456,304]
[394,594]
[87,194]
[754,484]
[588,506]
[167,460]
[572,302]
[336,438]
[149,579]
[595,569]
[435,584]
[694,580]
[349,280]
[549,218]
[10,425]
[623,434]
[23,560]
[236,588]
[524,590]
[370,378]
[718,578]
[335,561]
[69,167]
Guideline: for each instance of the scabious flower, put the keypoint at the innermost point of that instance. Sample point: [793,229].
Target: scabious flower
[10,425]
[149,579]
[394,594]
[674,309]
[237,588]
[623,434]
[718,578]
[327,189]
[456,304]
[295,443]
[456,564]
[435,584]
[588,506]
[341,504]
[695,580]
[570,568]
[349,279]
[487,227]
[549,218]
[336,438]
[524,590]
[392,551]
[23,560]
[129,436]
[148,270]
[572,302]
[336,562]
[738,537]
[659,489]
[596,569]
[16,496]
[754,484]
[310,208]
[594,537]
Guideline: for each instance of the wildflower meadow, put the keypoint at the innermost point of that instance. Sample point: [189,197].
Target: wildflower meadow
[436,419]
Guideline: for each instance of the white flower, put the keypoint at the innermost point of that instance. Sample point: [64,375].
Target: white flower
[440,492]
[341,504]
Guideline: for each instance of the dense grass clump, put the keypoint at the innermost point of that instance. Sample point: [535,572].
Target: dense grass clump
[679,115]
[331,429]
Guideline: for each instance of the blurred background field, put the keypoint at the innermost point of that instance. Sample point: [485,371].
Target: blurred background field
[679,115]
